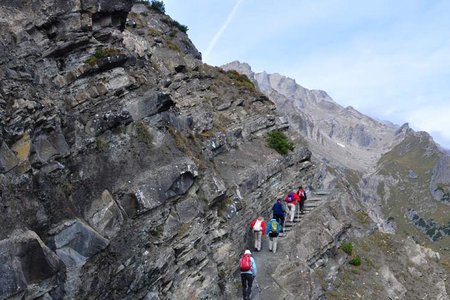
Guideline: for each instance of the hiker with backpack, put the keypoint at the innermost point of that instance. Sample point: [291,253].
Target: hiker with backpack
[278,212]
[273,230]
[247,266]
[259,229]
[302,196]
[291,199]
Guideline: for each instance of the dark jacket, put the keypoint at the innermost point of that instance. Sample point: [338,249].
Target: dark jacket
[278,209]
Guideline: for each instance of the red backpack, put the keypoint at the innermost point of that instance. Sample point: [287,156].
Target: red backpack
[245,264]
[290,197]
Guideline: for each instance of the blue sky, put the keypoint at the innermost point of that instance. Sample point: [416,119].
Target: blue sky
[388,59]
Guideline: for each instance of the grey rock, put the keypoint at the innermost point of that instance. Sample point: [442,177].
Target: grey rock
[188,209]
[26,261]
[151,296]
[77,242]
[149,104]
[42,150]
[105,216]
[7,158]
[212,187]
[170,181]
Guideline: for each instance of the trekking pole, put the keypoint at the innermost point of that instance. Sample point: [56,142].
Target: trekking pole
[257,285]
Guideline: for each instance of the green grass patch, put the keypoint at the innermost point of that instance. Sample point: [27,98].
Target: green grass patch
[173,47]
[240,80]
[101,53]
[347,248]
[356,261]
[102,144]
[143,134]
[363,217]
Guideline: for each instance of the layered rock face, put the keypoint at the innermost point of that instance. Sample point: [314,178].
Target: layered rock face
[128,168]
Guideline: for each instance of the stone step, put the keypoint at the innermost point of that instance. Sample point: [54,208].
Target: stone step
[315,199]
[321,193]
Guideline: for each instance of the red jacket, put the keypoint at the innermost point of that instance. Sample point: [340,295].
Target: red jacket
[263,226]
[296,198]
[299,192]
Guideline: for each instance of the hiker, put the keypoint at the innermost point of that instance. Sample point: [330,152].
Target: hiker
[273,230]
[248,273]
[302,195]
[278,212]
[259,229]
[291,199]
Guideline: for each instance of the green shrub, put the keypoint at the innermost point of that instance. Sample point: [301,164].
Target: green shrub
[278,140]
[356,261]
[158,6]
[347,248]
[182,28]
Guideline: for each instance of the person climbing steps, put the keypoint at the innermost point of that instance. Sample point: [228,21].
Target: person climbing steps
[302,196]
[278,212]
[273,230]
[247,267]
[259,229]
[291,199]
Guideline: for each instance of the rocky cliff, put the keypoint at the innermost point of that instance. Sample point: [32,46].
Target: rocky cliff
[128,167]
[131,170]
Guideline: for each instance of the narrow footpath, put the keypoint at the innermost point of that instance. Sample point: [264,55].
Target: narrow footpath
[265,287]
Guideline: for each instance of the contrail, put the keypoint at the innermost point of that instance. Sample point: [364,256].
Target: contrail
[222,29]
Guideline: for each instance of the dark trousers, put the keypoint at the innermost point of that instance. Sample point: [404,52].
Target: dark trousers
[279,218]
[247,281]
[302,204]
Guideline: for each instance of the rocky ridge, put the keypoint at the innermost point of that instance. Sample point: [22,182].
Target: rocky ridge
[343,135]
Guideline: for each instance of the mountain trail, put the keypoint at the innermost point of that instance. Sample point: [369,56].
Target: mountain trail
[265,286]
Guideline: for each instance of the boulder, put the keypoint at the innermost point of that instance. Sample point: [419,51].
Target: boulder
[7,158]
[166,182]
[149,104]
[27,266]
[76,242]
[104,215]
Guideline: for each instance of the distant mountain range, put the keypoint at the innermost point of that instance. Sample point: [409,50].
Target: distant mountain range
[344,134]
